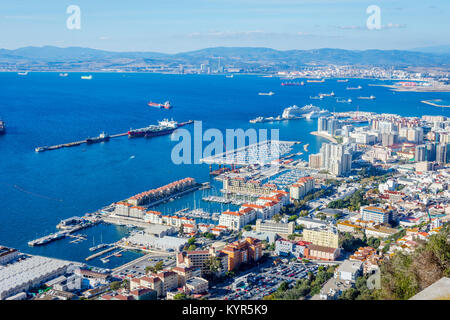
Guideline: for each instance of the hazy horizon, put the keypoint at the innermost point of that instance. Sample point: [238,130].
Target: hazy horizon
[181,26]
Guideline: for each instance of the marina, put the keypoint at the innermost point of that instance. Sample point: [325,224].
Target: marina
[259,153]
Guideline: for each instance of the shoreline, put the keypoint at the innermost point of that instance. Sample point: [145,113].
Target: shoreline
[325,136]
[412,89]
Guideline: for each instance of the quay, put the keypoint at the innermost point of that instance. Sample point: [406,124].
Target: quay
[434,104]
[103,139]
[98,254]
[73,144]
[62,234]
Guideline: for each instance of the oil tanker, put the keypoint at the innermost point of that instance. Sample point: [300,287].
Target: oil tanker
[164,127]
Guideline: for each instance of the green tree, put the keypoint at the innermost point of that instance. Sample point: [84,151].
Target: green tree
[277,218]
[115,285]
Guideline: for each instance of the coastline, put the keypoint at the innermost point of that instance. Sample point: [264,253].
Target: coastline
[325,136]
[413,89]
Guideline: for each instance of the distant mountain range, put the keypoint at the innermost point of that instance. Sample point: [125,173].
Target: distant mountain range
[55,58]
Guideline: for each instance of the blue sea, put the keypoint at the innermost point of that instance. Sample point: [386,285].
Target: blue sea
[37,190]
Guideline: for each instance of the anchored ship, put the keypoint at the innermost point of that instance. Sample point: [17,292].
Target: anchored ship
[89,77]
[271,93]
[163,128]
[367,98]
[326,94]
[165,105]
[315,81]
[354,88]
[101,138]
[291,84]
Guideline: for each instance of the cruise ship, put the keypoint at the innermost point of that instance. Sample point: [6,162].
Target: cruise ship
[164,127]
[101,138]
[295,112]
[2,127]
[316,114]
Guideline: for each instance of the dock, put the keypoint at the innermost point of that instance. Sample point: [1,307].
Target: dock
[98,254]
[78,143]
[73,144]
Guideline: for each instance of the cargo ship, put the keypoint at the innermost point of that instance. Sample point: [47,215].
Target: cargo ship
[354,88]
[316,81]
[101,138]
[163,128]
[2,127]
[367,98]
[165,105]
[271,93]
[326,94]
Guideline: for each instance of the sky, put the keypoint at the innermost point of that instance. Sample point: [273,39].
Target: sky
[173,26]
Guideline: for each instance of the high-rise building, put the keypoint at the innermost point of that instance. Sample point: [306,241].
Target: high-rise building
[420,153]
[335,159]
[322,124]
[315,161]
[387,139]
[441,153]
[431,151]
[332,126]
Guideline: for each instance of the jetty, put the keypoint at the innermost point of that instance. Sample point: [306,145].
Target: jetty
[98,254]
[434,104]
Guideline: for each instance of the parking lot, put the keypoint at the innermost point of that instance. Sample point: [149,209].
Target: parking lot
[138,269]
[266,282]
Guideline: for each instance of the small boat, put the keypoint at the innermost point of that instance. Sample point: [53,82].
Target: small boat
[118,255]
[104,260]
[63,74]
[23,73]
[230,76]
